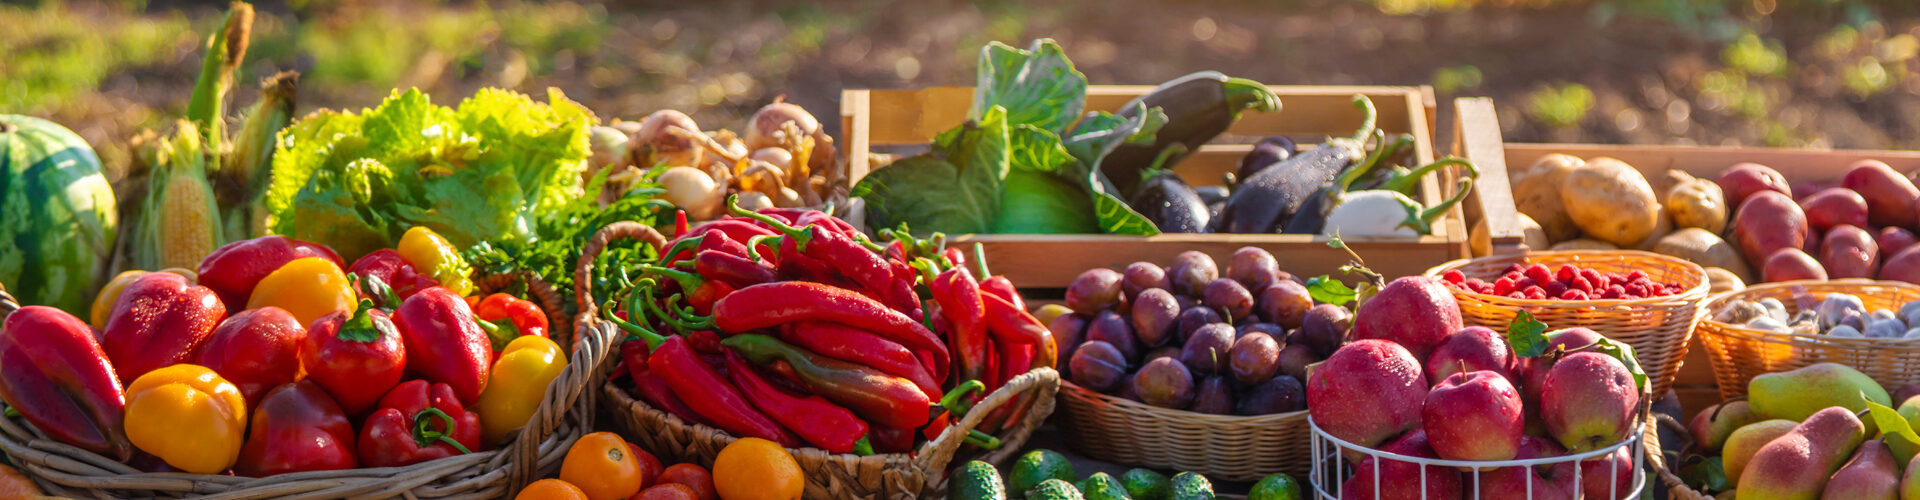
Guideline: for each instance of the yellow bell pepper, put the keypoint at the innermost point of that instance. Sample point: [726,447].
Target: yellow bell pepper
[188,416]
[103,303]
[432,255]
[310,288]
[518,382]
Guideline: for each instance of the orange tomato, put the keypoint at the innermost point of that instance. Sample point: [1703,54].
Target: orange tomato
[694,477]
[668,491]
[649,466]
[757,469]
[13,484]
[603,466]
[551,489]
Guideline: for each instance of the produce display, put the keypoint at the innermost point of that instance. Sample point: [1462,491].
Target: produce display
[1167,336]
[60,213]
[1567,282]
[1414,382]
[783,160]
[272,357]
[1045,475]
[788,325]
[1822,431]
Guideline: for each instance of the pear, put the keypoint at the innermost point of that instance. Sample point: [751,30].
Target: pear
[1910,482]
[1903,449]
[1870,475]
[1796,466]
[1793,395]
[1713,424]
[1745,441]
[1588,401]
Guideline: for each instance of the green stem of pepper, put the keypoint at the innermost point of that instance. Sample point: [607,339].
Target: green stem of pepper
[801,235]
[681,246]
[983,440]
[863,447]
[638,332]
[424,435]
[956,402]
[753,246]
[980,261]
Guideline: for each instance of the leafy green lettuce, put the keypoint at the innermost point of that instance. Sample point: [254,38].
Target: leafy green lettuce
[1009,169]
[478,172]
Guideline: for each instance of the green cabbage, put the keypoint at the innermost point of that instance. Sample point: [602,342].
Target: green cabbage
[480,172]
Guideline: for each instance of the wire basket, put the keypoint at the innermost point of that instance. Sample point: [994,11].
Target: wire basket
[1658,328]
[1331,470]
[1226,447]
[1739,353]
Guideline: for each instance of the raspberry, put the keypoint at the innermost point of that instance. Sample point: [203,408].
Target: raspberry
[1614,292]
[1553,288]
[1598,280]
[1636,275]
[1524,283]
[1659,292]
[1581,284]
[1454,276]
[1573,295]
[1636,289]
[1503,286]
[1539,273]
[1566,272]
[1516,295]
[1536,293]
[1515,268]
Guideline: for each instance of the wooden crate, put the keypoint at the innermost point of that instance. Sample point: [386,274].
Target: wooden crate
[904,121]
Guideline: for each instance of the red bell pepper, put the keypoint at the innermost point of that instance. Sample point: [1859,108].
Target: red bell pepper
[160,320]
[399,275]
[233,269]
[297,428]
[54,373]
[257,350]
[813,418]
[505,317]
[357,357]
[417,423]
[444,342]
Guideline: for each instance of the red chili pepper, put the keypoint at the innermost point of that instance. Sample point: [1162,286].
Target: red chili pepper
[955,257]
[399,275]
[297,427]
[1014,359]
[679,223]
[258,350]
[732,269]
[834,223]
[961,304]
[846,343]
[235,268]
[737,229]
[1012,325]
[1000,286]
[356,356]
[717,240]
[416,423]
[813,418]
[890,440]
[875,396]
[704,341]
[505,317]
[701,293]
[705,391]
[849,258]
[161,319]
[652,389]
[794,265]
[773,304]
[53,372]
[444,342]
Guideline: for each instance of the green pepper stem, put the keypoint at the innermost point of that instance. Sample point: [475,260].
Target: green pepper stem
[980,261]
[983,440]
[688,281]
[956,402]
[863,447]
[652,339]
[801,236]
[753,246]
[424,435]
[681,246]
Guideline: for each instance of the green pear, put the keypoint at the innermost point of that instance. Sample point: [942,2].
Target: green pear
[1713,424]
[1747,440]
[1793,395]
[1910,483]
[1905,449]
[1796,465]
[1870,475]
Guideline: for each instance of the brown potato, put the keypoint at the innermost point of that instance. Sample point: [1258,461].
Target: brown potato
[1531,234]
[1611,202]
[1721,280]
[1536,192]
[1583,244]
[1698,246]
[1697,203]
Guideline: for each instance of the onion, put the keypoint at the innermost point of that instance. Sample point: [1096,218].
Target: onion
[754,201]
[764,130]
[775,156]
[609,148]
[654,144]
[692,190]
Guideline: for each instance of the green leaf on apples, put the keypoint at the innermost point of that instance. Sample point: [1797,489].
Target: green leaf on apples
[1623,352]
[1331,291]
[1527,335]
[1709,475]
[1889,420]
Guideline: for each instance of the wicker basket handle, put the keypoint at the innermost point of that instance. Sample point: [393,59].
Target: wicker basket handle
[583,273]
[1039,384]
[558,324]
[7,303]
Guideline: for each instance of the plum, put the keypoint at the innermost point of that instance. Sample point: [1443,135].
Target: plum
[1277,395]
[1325,328]
[1791,264]
[1109,327]
[1833,207]
[1165,351]
[1213,397]
[1154,314]
[1230,298]
[1191,272]
[1744,179]
[1206,351]
[1164,383]
[1889,195]
[1098,366]
[1255,269]
[1849,252]
[1254,359]
[1096,290]
[1285,303]
[1192,318]
[1294,359]
[1140,276]
[1277,332]
[1068,330]
[1766,223]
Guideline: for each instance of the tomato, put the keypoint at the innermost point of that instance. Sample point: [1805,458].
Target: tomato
[757,469]
[603,466]
[694,477]
[551,489]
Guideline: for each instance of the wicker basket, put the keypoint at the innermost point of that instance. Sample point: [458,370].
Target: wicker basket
[538,290]
[1677,488]
[922,474]
[1222,447]
[1658,328]
[564,415]
[1739,353]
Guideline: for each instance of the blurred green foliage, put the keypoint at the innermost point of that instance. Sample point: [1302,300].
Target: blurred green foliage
[1560,106]
[49,57]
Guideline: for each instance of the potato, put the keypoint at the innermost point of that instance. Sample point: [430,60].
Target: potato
[1698,246]
[1890,196]
[1531,234]
[1721,280]
[1697,203]
[1894,239]
[1834,207]
[1792,264]
[1849,252]
[1536,192]
[1742,180]
[1611,202]
[1583,244]
[1766,223]
[1662,227]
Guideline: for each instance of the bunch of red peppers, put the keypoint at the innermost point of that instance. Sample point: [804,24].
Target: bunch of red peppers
[790,325]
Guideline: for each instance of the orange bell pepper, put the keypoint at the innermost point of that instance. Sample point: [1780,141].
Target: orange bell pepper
[188,416]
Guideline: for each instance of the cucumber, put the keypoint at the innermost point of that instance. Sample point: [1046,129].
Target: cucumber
[976,481]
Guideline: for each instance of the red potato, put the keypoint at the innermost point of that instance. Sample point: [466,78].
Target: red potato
[1894,239]
[1767,222]
[1806,189]
[1792,264]
[1903,266]
[1742,180]
[1834,207]
[1889,195]
[1849,252]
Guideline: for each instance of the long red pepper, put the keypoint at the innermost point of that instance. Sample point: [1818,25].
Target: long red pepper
[824,242]
[733,269]
[719,241]
[773,304]
[961,303]
[1011,324]
[846,343]
[877,397]
[651,388]
[704,390]
[813,418]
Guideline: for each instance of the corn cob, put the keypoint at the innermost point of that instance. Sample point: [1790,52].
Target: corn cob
[181,224]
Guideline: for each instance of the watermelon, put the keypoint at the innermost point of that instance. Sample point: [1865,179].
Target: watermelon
[57,215]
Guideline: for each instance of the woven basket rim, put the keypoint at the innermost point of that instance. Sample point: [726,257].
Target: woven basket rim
[1697,285]
[1714,303]
[1173,414]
